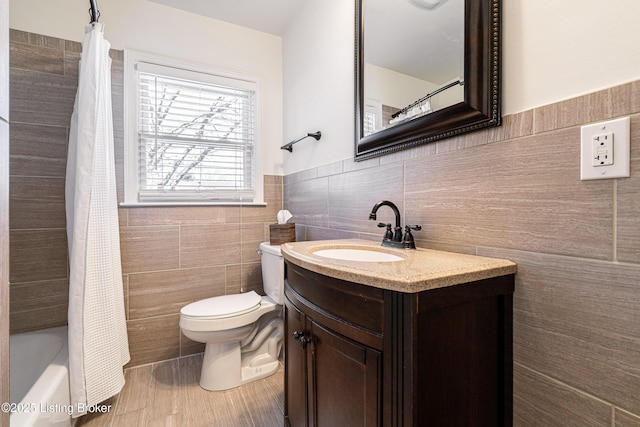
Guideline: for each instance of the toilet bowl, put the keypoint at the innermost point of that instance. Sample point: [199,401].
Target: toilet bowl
[243,333]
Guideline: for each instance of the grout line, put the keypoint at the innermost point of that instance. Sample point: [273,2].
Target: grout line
[565,385]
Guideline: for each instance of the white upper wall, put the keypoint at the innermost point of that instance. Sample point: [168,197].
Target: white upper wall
[151,27]
[551,50]
[319,76]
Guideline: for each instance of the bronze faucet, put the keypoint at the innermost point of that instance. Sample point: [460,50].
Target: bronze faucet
[393,238]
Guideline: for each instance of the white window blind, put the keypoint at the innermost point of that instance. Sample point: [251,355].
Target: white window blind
[195,136]
[372,116]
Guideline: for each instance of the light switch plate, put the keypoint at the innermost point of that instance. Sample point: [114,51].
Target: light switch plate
[605,150]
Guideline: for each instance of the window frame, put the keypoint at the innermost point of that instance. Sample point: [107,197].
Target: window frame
[179,68]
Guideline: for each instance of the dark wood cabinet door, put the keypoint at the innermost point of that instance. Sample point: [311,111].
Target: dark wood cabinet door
[295,406]
[345,381]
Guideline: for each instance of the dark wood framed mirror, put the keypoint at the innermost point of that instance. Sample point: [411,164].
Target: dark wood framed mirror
[472,85]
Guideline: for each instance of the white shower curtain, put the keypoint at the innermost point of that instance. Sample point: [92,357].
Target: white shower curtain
[98,343]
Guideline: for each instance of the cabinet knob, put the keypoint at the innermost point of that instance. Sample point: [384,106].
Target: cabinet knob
[302,340]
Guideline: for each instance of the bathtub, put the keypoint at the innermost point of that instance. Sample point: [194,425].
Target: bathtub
[39,380]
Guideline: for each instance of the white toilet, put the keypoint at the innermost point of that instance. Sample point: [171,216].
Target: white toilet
[243,333]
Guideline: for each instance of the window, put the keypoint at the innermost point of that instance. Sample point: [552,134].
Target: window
[372,116]
[190,134]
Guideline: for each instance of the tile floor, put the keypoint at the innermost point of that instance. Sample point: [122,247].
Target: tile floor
[167,394]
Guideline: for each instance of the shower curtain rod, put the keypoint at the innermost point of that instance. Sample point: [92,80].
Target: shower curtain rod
[95,13]
[427,96]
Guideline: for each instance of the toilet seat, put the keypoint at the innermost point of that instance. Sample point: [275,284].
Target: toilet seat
[222,307]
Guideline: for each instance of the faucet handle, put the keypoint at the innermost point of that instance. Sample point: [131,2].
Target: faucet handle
[387,234]
[408,237]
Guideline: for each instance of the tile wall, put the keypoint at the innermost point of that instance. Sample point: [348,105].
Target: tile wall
[4,208]
[515,192]
[170,256]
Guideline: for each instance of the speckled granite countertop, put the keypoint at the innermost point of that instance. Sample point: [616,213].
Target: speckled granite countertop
[422,269]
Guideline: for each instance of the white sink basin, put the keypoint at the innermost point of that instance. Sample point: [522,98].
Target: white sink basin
[356,254]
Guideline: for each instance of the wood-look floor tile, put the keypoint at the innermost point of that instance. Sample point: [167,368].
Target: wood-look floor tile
[131,419]
[99,419]
[163,400]
[265,410]
[168,394]
[173,420]
[133,397]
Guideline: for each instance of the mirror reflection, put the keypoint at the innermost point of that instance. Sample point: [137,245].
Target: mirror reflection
[413,60]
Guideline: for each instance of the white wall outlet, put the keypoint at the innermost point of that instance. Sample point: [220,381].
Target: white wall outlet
[605,150]
[602,149]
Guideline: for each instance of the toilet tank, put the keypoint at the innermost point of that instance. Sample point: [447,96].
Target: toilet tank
[272,271]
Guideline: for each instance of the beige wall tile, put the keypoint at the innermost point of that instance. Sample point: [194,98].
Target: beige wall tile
[576,320]
[252,234]
[542,401]
[166,292]
[39,305]
[584,109]
[4,224]
[461,142]
[28,105]
[207,245]
[501,195]
[153,338]
[38,255]
[625,419]
[37,203]
[46,41]
[38,150]
[628,220]
[43,54]
[251,277]
[308,201]
[321,233]
[233,274]
[625,99]
[180,215]
[513,126]
[149,248]
[330,169]
[352,196]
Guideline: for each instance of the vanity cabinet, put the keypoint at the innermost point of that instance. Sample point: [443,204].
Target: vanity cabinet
[333,366]
[358,355]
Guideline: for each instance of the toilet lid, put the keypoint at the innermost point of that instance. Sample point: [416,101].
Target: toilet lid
[223,306]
